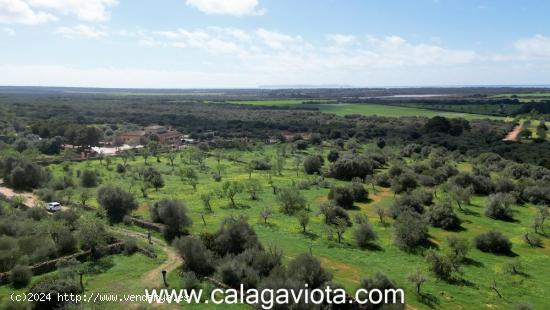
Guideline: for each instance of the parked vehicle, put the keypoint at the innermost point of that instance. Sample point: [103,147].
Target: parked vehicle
[53,206]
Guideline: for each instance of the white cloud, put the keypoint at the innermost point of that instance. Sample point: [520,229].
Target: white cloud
[88,10]
[8,31]
[227,7]
[81,31]
[276,40]
[341,39]
[32,12]
[19,12]
[537,46]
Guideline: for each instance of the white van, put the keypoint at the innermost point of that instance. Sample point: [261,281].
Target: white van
[53,206]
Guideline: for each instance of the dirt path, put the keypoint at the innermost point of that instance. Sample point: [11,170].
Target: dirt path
[29,199]
[153,278]
[513,134]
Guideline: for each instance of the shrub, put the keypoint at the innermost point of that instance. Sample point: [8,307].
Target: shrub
[120,168]
[379,281]
[65,242]
[307,269]
[313,164]
[196,256]
[20,276]
[235,273]
[116,202]
[235,236]
[406,202]
[130,245]
[301,145]
[333,213]
[260,164]
[342,196]
[360,193]
[404,183]
[189,281]
[333,156]
[351,166]
[442,215]
[493,242]
[88,178]
[37,214]
[382,180]
[290,200]
[499,207]
[440,265]
[173,214]
[410,230]
[364,234]
[53,286]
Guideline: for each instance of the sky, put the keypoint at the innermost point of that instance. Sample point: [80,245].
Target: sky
[254,43]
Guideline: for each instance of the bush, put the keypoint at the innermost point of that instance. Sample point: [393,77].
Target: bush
[342,196]
[333,156]
[88,179]
[360,193]
[406,202]
[116,202]
[20,276]
[440,265]
[130,245]
[313,164]
[307,269]
[351,166]
[65,242]
[364,234]
[196,256]
[235,273]
[443,216]
[189,281]
[404,183]
[235,236]
[301,145]
[499,207]
[120,168]
[382,180]
[410,230]
[332,213]
[173,214]
[493,242]
[260,164]
[290,200]
[53,286]
[379,281]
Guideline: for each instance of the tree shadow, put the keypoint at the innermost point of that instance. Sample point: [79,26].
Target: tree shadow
[429,300]
[372,247]
[461,282]
[470,212]
[472,262]
[310,235]
[456,229]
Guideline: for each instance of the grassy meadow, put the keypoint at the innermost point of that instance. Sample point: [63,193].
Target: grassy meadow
[345,260]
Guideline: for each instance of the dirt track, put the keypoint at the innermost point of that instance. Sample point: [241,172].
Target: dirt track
[513,134]
[29,198]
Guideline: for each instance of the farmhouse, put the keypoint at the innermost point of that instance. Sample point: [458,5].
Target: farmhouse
[163,134]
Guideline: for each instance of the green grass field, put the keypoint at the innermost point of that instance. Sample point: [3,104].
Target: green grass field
[394,111]
[368,109]
[287,102]
[347,262]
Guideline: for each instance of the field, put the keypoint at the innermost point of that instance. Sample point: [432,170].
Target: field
[369,109]
[394,111]
[276,103]
[348,263]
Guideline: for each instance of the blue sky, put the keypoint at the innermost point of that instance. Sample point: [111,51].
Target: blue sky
[247,43]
